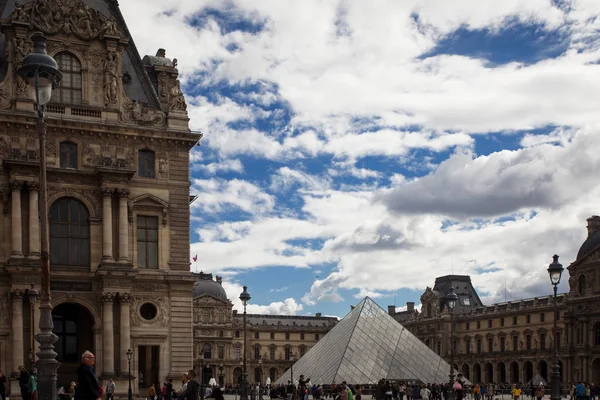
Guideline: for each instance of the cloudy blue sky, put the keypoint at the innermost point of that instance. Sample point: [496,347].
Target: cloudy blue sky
[357,148]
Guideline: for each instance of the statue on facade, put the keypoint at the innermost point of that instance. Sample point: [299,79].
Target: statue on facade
[109,27]
[83,20]
[176,98]
[110,79]
[19,13]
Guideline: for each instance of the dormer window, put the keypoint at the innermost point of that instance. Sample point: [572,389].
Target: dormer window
[69,90]
[146,167]
[68,155]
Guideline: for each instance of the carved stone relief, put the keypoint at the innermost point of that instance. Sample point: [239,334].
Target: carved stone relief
[68,16]
[176,98]
[3,147]
[149,287]
[162,317]
[137,113]
[5,309]
[90,157]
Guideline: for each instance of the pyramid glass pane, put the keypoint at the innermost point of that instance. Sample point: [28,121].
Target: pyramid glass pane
[365,346]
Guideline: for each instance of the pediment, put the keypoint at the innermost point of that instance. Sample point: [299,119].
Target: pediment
[149,200]
[206,299]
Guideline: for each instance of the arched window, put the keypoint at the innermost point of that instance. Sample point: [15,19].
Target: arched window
[256,351]
[221,317]
[206,351]
[69,90]
[237,334]
[206,316]
[582,284]
[68,155]
[237,352]
[69,233]
[146,164]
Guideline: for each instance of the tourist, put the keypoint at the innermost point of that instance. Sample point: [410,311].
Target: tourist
[88,386]
[2,386]
[24,382]
[192,389]
[152,392]
[516,392]
[110,389]
[425,393]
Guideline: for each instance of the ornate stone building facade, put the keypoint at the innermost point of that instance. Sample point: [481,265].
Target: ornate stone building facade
[118,196]
[272,341]
[513,341]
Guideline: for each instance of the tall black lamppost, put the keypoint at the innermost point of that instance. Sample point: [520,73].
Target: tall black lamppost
[245,298]
[221,373]
[202,375]
[555,271]
[41,73]
[260,367]
[32,293]
[129,391]
[451,299]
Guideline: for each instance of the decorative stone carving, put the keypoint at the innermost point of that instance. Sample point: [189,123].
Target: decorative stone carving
[162,317]
[111,79]
[142,115]
[5,309]
[116,283]
[107,192]
[130,158]
[163,167]
[17,294]
[50,148]
[33,186]
[3,147]
[25,280]
[123,192]
[125,298]
[176,98]
[89,156]
[149,287]
[107,297]
[68,16]
[96,59]
[16,186]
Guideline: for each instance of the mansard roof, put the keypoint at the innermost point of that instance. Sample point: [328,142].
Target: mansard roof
[140,88]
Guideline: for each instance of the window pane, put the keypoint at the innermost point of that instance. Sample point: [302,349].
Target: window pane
[152,255]
[146,163]
[53,251]
[152,235]
[63,252]
[74,253]
[152,222]
[141,254]
[84,251]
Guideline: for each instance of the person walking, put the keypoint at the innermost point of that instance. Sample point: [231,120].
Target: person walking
[110,389]
[192,390]
[24,383]
[88,386]
[2,386]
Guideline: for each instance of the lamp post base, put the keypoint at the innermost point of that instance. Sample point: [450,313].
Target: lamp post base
[244,387]
[47,364]
[556,393]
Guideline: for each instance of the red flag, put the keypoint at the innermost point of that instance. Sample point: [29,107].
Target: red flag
[195,258]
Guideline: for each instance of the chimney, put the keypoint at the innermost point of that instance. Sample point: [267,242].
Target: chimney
[235,312]
[410,306]
[220,280]
[593,224]
[318,315]
[391,310]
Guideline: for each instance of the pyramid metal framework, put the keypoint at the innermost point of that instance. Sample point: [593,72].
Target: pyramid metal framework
[365,346]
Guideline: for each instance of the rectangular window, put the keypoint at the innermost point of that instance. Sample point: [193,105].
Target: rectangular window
[528,341]
[302,351]
[256,352]
[146,167]
[272,336]
[68,155]
[288,353]
[542,317]
[557,341]
[302,336]
[490,345]
[317,336]
[221,352]
[468,345]
[514,320]
[237,353]
[557,315]
[501,321]
[468,325]
[272,353]
[479,349]
[503,344]
[287,336]
[147,242]
[528,318]
[256,335]
[478,324]
[542,341]
[69,90]
[439,347]
[515,343]
[489,323]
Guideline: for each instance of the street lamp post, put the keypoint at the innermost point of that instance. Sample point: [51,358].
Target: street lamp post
[245,298]
[451,299]
[32,293]
[555,271]
[41,73]
[260,367]
[221,373]
[129,391]
[202,375]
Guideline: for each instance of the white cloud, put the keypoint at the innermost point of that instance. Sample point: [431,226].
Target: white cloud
[288,306]
[222,166]
[215,196]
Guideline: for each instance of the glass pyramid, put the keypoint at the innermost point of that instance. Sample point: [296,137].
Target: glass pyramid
[365,346]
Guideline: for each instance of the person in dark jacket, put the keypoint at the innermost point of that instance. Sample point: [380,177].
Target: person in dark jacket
[2,386]
[217,393]
[192,389]
[24,383]
[88,386]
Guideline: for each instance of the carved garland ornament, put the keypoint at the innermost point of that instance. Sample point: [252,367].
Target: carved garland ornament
[161,320]
[136,112]
[5,309]
[68,16]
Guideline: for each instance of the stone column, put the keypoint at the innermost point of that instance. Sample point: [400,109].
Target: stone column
[15,219]
[108,341]
[125,330]
[107,231]
[17,328]
[123,226]
[34,220]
